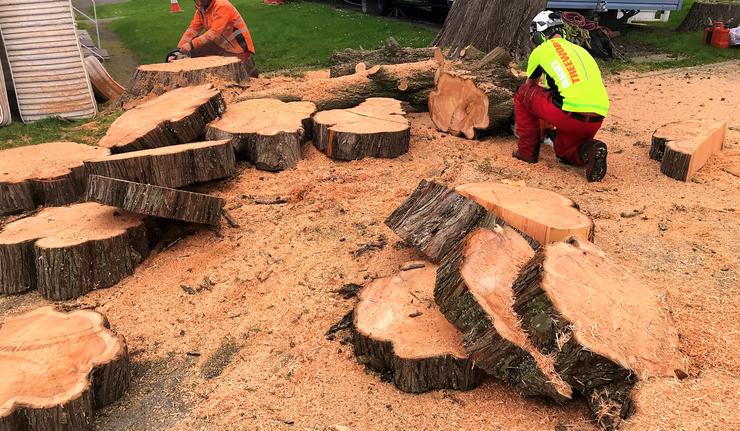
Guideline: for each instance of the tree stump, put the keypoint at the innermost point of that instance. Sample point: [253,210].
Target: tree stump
[66,252]
[104,86]
[435,219]
[685,147]
[44,174]
[701,12]
[540,214]
[176,117]
[399,331]
[157,79]
[389,52]
[268,132]
[173,166]
[155,201]
[58,368]
[375,128]
[601,324]
[474,292]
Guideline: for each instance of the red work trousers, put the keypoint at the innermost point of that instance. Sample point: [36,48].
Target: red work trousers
[534,103]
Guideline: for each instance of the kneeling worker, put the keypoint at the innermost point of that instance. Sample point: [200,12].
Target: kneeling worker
[575,101]
[224,33]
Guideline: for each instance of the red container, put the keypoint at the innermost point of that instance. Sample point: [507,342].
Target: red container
[720,36]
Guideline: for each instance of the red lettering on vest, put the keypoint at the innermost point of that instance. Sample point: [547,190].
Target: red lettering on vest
[565,58]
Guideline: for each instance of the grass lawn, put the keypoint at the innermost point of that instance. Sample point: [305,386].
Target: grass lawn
[52,129]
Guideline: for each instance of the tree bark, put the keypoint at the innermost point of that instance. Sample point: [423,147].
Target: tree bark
[105,87]
[683,148]
[176,117]
[66,252]
[375,128]
[155,201]
[174,166]
[53,349]
[389,52]
[701,12]
[268,133]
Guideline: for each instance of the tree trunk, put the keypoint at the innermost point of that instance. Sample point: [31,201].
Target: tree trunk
[105,87]
[269,133]
[418,348]
[389,52]
[177,117]
[157,79]
[435,219]
[155,201]
[480,306]
[487,24]
[542,215]
[44,174]
[66,252]
[683,148]
[375,128]
[53,351]
[701,13]
[174,166]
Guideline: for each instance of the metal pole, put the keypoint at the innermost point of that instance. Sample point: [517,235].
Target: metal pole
[97,28]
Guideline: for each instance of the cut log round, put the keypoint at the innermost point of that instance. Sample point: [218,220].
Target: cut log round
[389,52]
[157,79]
[684,147]
[44,174]
[58,368]
[105,87]
[268,132]
[602,325]
[173,166]
[474,292]
[540,214]
[702,12]
[435,219]
[375,128]
[155,201]
[398,330]
[66,252]
[177,117]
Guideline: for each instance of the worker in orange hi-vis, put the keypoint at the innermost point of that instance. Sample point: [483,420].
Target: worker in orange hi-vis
[218,29]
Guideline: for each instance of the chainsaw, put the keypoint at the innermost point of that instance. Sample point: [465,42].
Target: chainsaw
[175,55]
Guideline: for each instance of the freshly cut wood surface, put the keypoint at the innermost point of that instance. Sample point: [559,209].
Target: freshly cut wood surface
[685,147]
[543,215]
[474,292]
[375,128]
[57,368]
[398,329]
[155,200]
[173,166]
[66,252]
[176,117]
[105,87]
[44,174]
[268,132]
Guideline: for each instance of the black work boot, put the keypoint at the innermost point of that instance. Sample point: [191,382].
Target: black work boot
[593,153]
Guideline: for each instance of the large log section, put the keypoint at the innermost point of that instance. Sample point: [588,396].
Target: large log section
[57,368]
[269,133]
[44,174]
[684,147]
[389,52]
[176,117]
[173,166]
[66,252]
[702,11]
[541,214]
[398,330]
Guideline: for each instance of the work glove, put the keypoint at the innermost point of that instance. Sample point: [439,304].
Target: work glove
[186,48]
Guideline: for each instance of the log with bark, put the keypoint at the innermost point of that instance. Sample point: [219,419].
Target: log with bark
[474,292]
[157,79]
[173,166]
[176,117]
[541,214]
[376,127]
[389,52]
[105,87]
[604,328]
[155,200]
[704,12]
[268,133]
[436,219]
[57,368]
[44,174]
[399,331]
[66,252]
[685,147]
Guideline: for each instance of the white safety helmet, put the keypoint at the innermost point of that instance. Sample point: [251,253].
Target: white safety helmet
[542,25]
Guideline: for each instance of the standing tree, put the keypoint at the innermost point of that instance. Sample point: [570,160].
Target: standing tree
[487,24]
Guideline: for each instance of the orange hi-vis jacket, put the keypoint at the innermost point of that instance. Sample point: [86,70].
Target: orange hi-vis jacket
[223,26]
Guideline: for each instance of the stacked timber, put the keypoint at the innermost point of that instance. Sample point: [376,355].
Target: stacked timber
[685,147]
[346,62]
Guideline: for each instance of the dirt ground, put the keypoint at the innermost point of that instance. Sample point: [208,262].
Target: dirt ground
[246,350]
